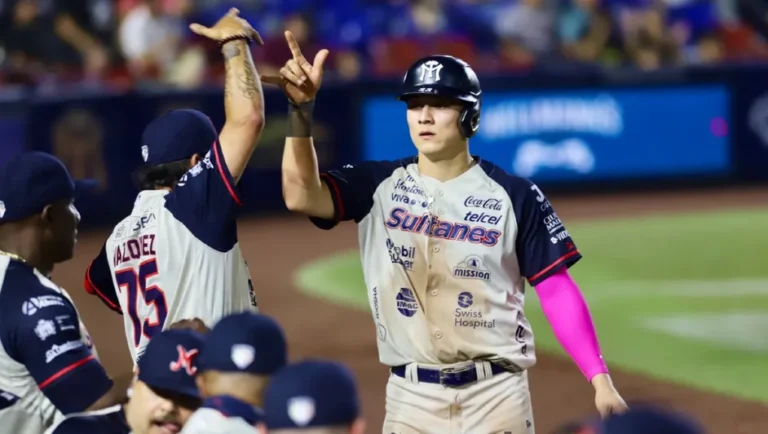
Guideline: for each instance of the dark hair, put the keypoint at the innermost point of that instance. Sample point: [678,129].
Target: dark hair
[161,175]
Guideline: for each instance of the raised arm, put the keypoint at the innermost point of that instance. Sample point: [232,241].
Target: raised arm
[303,190]
[243,96]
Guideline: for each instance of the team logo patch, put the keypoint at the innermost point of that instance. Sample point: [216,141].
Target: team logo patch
[472,268]
[301,410]
[145,153]
[407,304]
[242,355]
[2,209]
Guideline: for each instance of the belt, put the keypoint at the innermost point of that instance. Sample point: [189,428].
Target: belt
[450,377]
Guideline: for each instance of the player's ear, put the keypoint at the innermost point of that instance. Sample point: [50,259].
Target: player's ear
[194,160]
[200,383]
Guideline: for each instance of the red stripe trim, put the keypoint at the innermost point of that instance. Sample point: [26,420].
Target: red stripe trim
[91,288]
[336,192]
[64,371]
[224,175]
[554,264]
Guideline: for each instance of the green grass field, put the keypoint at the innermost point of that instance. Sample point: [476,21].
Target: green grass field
[682,298]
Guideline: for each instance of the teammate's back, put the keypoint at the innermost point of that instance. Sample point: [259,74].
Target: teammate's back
[177,255]
[168,274]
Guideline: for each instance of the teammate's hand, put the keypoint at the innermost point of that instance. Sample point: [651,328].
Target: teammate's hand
[299,79]
[230,25]
[607,398]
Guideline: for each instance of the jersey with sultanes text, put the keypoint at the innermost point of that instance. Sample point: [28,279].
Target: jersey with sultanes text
[445,263]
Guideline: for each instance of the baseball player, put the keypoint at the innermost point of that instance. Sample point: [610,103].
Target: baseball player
[447,240]
[240,355]
[177,255]
[44,356]
[314,396]
[163,394]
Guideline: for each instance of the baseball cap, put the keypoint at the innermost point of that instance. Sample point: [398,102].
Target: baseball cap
[170,361]
[32,180]
[176,135]
[648,419]
[311,393]
[245,342]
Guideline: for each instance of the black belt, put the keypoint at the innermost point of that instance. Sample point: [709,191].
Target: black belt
[450,377]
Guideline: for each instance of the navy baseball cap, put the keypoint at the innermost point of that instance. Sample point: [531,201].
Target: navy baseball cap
[30,181]
[647,419]
[170,361]
[177,135]
[245,342]
[312,393]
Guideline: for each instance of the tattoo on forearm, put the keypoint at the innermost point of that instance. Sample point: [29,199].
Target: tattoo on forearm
[241,74]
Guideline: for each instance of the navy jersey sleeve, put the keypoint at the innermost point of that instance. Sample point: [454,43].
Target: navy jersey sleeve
[543,244]
[98,281]
[206,201]
[352,188]
[41,330]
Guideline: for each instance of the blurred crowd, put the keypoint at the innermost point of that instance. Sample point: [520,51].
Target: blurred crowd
[133,42]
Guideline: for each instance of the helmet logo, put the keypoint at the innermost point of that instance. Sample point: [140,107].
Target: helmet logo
[431,70]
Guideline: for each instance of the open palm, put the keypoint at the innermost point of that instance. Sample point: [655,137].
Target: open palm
[299,79]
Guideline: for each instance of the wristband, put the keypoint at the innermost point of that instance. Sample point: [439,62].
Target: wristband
[300,119]
[248,40]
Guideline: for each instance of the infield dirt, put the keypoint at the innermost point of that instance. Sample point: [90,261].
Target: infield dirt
[276,247]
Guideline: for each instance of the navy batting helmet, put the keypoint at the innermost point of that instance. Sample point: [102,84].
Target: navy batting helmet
[450,77]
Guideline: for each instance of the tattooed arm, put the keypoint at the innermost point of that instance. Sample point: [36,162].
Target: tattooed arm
[243,99]
[243,105]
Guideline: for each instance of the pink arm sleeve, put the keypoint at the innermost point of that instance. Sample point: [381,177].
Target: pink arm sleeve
[568,314]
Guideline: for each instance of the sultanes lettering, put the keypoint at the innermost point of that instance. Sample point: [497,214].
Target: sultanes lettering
[401,219]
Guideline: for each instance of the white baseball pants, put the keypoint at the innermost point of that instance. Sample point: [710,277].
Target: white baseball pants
[496,405]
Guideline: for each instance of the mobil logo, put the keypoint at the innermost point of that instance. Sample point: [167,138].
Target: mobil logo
[407,304]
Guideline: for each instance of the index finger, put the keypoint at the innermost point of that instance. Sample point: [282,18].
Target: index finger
[293,45]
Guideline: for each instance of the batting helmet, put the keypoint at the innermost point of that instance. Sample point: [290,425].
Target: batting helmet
[450,77]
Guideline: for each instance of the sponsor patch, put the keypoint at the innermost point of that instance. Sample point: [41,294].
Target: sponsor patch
[466,317]
[483,203]
[45,329]
[407,304]
[472,268]
[553,223]
[58,350]
[34,304]
[560,236]
[403,255]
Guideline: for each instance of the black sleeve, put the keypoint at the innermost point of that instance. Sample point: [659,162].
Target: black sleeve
[206,201]
[543,244]
[352,189]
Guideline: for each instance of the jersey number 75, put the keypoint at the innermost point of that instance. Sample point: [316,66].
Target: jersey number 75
[133,283]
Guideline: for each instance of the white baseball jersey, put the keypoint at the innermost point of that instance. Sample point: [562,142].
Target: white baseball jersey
[176,256]
[224,415]
[445,263]
[45,359]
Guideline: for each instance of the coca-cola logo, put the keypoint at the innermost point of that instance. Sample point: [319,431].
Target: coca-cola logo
[483,203]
